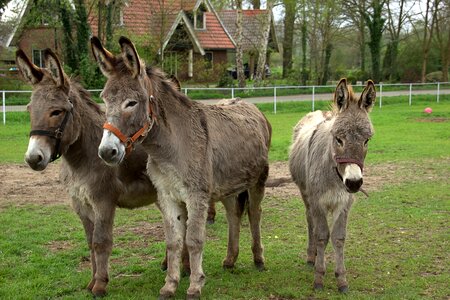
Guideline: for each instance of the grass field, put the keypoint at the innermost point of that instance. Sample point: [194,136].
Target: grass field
[397,245]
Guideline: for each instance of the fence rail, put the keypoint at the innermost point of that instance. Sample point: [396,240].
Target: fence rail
[12,101]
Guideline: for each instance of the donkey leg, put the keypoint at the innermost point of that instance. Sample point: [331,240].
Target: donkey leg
[321,236]
[86,215]
[254,215]
[311,251]
[211,212]
[174,216]
[195,239]
[338,235]
[234,216]
[102,243]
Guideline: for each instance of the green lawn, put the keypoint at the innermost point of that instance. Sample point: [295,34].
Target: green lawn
[397,245]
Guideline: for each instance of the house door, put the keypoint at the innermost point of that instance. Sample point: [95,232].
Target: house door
[170,63]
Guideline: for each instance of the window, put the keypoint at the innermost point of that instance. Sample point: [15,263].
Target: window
[200,20]
[200,17]
[208,60]
[38,58]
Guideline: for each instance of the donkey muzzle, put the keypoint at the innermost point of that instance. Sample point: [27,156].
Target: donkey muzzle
[111,150]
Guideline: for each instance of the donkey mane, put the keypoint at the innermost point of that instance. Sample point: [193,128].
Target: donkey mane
[85,96]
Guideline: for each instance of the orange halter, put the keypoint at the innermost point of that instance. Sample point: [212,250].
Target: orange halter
[129,141]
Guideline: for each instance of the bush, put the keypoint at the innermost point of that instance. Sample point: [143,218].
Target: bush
[225,80]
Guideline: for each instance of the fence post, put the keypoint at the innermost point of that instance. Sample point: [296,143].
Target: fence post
[437,98]
[410,93]
[313,96]
[4,107]
[381,94]
[185,91]
[232,93]
[275,100]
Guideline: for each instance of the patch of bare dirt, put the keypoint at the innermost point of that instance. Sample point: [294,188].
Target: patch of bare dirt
[433,120]
[20,185]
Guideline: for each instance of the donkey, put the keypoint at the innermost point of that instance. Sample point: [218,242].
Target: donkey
[197,152]
[66,122]
[326,162]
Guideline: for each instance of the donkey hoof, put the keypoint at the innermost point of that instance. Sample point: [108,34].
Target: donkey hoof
[99,293]
[318,286]
[260,266]
[343,289]
[195,296]
[165,297]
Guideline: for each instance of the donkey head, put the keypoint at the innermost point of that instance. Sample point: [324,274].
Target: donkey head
[50,109]
[127,95]
[351,132]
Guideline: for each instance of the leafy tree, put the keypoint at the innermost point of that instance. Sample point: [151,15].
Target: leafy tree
[375,23]
[290,10]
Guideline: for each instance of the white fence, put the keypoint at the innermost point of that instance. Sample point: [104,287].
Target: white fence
[274,94]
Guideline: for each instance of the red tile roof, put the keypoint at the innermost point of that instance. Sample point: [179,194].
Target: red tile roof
[155,18]
[214,36]
[252,21]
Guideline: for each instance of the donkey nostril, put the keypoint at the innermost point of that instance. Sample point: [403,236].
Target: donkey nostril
[113,152]
[39,158]
[353,185]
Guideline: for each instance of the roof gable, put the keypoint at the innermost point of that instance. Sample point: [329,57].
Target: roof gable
[252,21]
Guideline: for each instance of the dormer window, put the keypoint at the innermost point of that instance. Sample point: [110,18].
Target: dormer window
[200,17]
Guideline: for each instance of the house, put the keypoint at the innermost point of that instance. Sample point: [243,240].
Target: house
[189,37]
[182,33]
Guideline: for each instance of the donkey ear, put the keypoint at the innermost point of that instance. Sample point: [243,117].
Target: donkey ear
[130,56]
[104,58]
[52,63]
[368,96]
[341,94]
[30,72]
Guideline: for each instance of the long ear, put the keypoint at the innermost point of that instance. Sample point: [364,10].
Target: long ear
[52,63]
[341,94]
[104,58]
[368,96]
[30,72]
[130,56]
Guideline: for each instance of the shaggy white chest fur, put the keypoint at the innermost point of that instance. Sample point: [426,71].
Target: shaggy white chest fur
[334,201]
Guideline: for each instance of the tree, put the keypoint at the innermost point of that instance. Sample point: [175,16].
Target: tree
[395,22]
[430,12]
[239,50]
[354,10]
[262,51]
[290,10]
[304,39]
[375,23]
[443,34]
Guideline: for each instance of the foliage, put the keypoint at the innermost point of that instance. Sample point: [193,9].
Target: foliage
[395,247]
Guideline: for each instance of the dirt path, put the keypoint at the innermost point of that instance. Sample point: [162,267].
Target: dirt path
[20,185]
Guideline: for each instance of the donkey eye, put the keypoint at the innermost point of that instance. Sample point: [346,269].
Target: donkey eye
[339,141]
[56,113]
[131,104]
[366,142]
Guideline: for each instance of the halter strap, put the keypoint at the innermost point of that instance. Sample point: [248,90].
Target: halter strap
[348,160]
[57,135]
[129,141]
